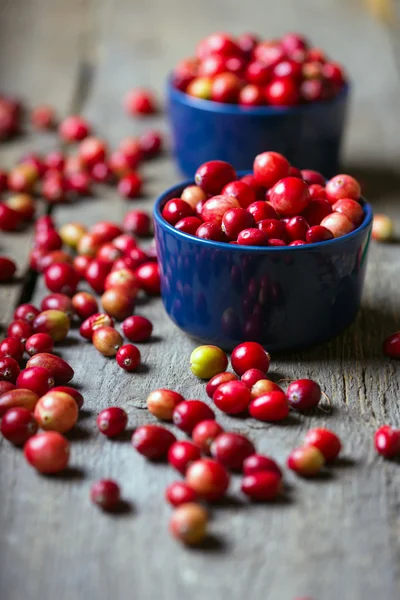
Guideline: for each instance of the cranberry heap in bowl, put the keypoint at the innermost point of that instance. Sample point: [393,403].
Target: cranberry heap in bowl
[276,256]
[240,95]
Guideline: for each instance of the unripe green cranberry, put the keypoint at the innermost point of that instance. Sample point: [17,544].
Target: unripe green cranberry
[207,361]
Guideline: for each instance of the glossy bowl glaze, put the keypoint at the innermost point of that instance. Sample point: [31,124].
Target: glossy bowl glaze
[308,135]
[283,297]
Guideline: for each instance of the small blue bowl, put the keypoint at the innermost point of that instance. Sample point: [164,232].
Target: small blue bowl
[309,135]
[283,297]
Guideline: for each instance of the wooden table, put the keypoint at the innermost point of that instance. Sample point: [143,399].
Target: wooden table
[333,538]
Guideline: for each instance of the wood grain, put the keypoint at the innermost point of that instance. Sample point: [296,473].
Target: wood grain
[334,537]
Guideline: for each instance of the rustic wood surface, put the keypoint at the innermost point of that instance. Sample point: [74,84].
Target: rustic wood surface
[334,537]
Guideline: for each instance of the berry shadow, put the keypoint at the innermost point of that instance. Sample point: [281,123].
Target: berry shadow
[125,436]
[211,544]
[342,462]
[229,503]
[69,474]
[123,509]
[84,413]
[78,434]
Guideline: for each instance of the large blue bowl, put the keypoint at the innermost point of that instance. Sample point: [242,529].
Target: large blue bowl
[308,135]
[283,297]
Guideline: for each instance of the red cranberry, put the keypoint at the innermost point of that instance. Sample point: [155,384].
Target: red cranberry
[261,211]
[61,278]
[247,42]
[269,168]
[232,397]
[350,209]
[54,187]
[175,210]
[153,441]
[262,486]
[105,493]
[282,92]
[43,117]
[240,190]
[130,185]
[19,329]
[259,189]
[211,231]
[231,449]
[296,228]
[318,233]
[205,433]
[290,196]
[94,322]
[112,421]
[24,205]
[139,102]
[188,225]
[85,304]
[208,478]
[128,357]
[182,454]
[214,175]
[387,441]
[7,269]
[256,463]
[325,440]
[225,87]
[38,343]
[297,243]
[77,396]
[58,302]
[36,379]
[258,73]
[150,143]
[272,406]
[338,224]
[48,240]
[47,452]
[273,228]
[137,328]
[303,394]
[9,218]
[317,210]
[81,263]
[333,73]
[101,173]
[295,172]
[215,208]
[148,275]
[391,345]
[288,68]
[54,160]
[74,129]
[6,386]
[252,237]
[312,177]
[92,150]
[342,186]
[162,403]
[11,347]
[80,183]
[18,425]
[251,376]
[276,242]
[250,355]
[235,220]
[190,412]
[251,95]
[9,369]
[26,312]
[96,274]
[217,380]
[106,231]
[137,223]
[178,493]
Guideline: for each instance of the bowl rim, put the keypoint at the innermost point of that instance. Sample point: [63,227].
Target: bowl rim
[368,214]
[237,109]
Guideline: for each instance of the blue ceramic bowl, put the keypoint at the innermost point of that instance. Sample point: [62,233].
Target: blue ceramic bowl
[283,297]
[308,135]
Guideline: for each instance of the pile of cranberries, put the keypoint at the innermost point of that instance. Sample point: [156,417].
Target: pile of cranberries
[252,72]
[276,205]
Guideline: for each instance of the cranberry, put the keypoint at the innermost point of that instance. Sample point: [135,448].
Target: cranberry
[257,463]
[137,223]
[188,413]
[18,425]
[251,376]
[269,168]
[175,210]
[240,190]
[130,185]
[7,269]
[5,386]
[317,209]
[135,258]
[350,209]
[258,73]
[106,494]
[54,160]
[342,186]
[96,274]
[288,68]
[54,322]
[276,242]
[81,263]
[325,440]
[211,231]
[338,224]
[188,225]
[217,380]
[36,379]
[161,403]
[124,243]
[312,177]
[117,303]
[290,196]
[382,228]
[60,370]
[251,95]
[391,345]
[208,478]
[231,449]
[232,397]
[261,211]
[150,143]
[271,406]
[297,243]
[137,328]
[205,433]
[24,205]
[122,164]
[193,195]
[306,461]
[282,92]
[10,219]
[59,302]
[19,329]
[333,73]
[235,220]
[387,441]
[54,187]
[22,178]
[122,280]
[43,117]
[252,237]
[178,493]
[101,173]
[212,65]
[128,357]
[74,128]
[77,396]
[225,87]
[207,361]
[273,228]
[148,275]
[92,150]
[11,347]
[106,340]
[89,244]
[139,102]
[215,208]
[39,342]
[61,278]
[296,228]
[9,369]
[214,175]
[85,304]
[189,523]
[217,43]
[47,452]
[94,322]
[250,355]
[262,486]
[182,454]
[303,394]
[56,411]
[106,231]
[48,240]
[247,42]
[259,189]
[153,441]
[112,421]
[318,233]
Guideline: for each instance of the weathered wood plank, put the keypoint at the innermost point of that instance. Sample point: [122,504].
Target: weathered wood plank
[335,537]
